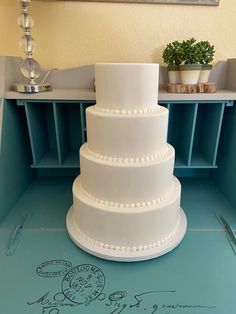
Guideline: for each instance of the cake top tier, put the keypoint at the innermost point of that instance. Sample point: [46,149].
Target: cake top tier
[126,85]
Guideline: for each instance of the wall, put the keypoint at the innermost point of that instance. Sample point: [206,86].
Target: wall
[77,33]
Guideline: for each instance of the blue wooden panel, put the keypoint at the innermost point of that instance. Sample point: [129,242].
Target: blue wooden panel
[193,132]
[187,280]
[213,116]
[41,126]
[195,278]
[74,126]
[61,125]
[187,128]
[226,175]
[37,128]
[15,156]
[206,139]
[83,107]
[181,129]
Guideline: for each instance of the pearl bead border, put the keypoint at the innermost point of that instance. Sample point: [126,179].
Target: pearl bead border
[142,111]
[126,160]
[127,249]
[140,204]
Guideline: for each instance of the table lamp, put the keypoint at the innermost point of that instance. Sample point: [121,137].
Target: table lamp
[29,67]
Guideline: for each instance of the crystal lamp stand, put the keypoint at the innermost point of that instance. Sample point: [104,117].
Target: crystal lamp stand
[29,67]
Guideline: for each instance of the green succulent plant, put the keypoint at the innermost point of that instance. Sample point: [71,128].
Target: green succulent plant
[206,52]
[173,53]
[191,51]
[188,52]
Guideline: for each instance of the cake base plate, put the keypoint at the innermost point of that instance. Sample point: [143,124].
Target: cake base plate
[123,256]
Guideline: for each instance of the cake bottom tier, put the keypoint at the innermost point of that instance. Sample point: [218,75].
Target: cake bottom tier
[126,234]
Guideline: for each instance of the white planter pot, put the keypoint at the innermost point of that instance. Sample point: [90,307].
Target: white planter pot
[190,73]
[205,73]
[174,77]
[174,74]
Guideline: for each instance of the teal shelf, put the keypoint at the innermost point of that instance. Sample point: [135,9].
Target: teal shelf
[71,160]
[69,130]
[199,161]
[207,134]
[49,160]
[179,162]
[182,118]
[57,129]
[42,133]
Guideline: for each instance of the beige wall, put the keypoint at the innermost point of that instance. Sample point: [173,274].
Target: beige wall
[70,34]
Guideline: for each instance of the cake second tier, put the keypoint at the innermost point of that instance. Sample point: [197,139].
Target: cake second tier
[127,133]
[127,181]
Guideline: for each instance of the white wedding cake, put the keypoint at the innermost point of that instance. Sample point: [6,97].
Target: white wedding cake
[126,201]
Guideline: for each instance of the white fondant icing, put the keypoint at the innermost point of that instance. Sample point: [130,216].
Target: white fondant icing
[126,202]
[122,112]
[128,205]
[126,160]
[128,136]
[133,248]
[126,227]
[127,86]
[126,182]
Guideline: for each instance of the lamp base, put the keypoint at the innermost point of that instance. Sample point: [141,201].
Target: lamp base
[32,88]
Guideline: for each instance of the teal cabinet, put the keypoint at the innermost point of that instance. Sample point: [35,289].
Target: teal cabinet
[39,159]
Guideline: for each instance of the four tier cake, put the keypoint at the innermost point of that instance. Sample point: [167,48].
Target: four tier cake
[126,201]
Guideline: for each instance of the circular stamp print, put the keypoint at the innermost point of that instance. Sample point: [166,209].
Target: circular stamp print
[53,268]
[83,284]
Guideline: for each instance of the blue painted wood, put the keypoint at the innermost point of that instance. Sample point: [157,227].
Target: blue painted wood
[170,117]
[206,139]
[194,119]
[210,130]
[42,133]
[61,126]
[83,121]
[74,127]
[187,128]
[181,127]
[15,157]
[192,271]
[83,107]
[185,132]
[200,270]
[38,139]
[226,174]
[184,281]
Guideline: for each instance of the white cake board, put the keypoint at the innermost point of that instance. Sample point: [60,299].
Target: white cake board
[122,256]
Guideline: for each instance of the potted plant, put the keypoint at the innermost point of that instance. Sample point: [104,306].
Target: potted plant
[206,52]
[191,68]
[173,56]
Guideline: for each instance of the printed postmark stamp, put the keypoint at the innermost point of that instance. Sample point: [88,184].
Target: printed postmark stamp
[53,268]
[83,284]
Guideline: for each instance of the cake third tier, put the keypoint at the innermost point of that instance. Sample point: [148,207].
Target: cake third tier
[127,180]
